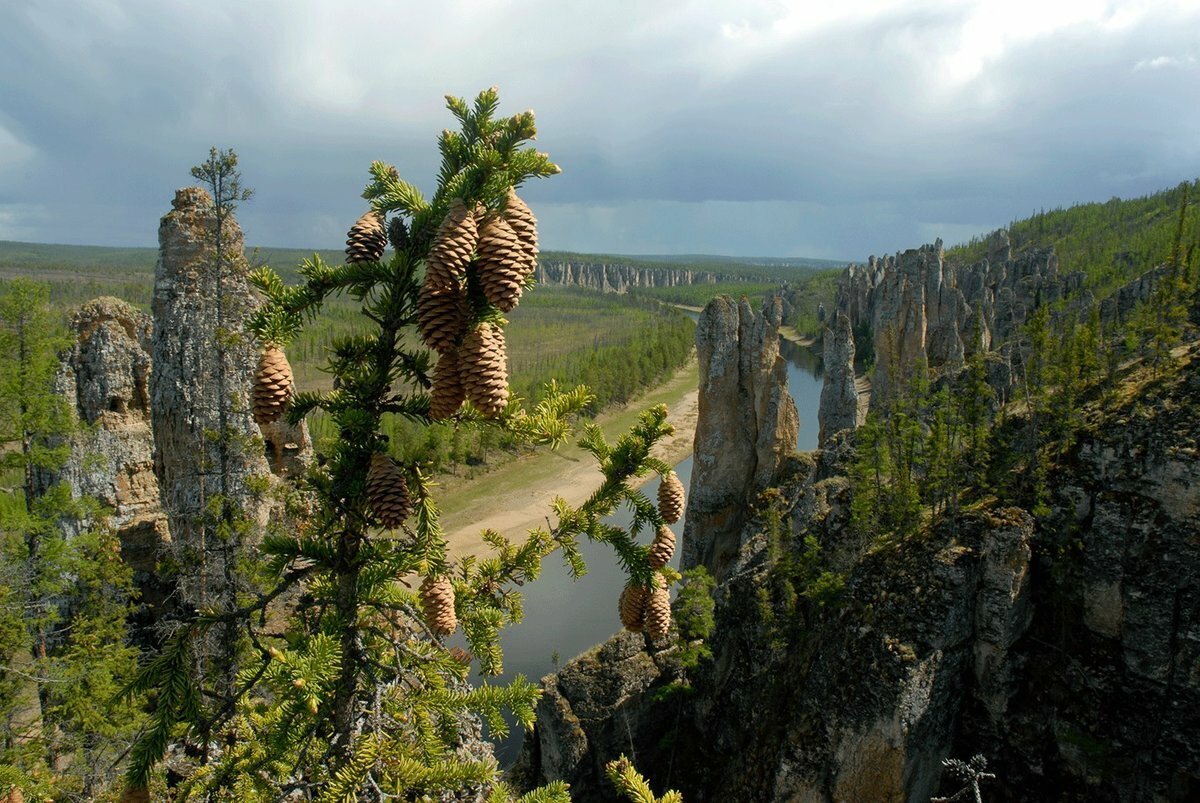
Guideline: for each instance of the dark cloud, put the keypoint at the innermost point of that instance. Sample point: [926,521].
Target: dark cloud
[751,129]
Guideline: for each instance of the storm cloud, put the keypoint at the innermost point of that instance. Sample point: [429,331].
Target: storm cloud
[747,128]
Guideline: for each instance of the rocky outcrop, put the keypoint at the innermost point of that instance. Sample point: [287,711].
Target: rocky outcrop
[1118,307]
[106,376]
[589,709]
[1063,648]
[615,277]
[747,425]
[920,310]
[206,440]
[839,393]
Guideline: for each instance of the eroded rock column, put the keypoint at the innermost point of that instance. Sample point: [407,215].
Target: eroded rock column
[747,425]
[207,445]
[839,394]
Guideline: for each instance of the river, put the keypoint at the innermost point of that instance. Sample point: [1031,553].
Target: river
[563,618]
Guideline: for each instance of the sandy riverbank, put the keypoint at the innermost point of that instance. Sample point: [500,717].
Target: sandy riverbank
[516,497]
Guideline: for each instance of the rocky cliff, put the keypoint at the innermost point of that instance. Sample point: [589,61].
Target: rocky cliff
[839,393]
[206,440]
[149,392]
[1062,646]
[747,425]
[917,309]
[106,376]
[615,277]
[204,364]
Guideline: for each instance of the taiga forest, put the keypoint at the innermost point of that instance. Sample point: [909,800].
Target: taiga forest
[759,427]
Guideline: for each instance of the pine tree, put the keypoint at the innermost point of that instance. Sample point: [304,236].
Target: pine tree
[63,600]
[349,691]
[1159,321]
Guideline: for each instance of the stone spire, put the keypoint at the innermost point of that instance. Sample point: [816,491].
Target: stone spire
[204,362]
[747,425]
[839,395]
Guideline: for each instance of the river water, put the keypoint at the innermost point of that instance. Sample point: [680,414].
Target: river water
[563,618]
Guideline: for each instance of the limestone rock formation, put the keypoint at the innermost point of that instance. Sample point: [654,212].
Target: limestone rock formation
[747,425]
[1063,649]
[585,708]
[919,309]
[839,394]
[609,277]
[106,376]
[200,393]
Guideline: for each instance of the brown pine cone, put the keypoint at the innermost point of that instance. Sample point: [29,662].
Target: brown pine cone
[632,607]
[483,365]
[273,385]
[451,251]
[135,794]
[397,233]
[460,655]
[387,491]
[670,498]
[447,394]
[662,548]
[15,795]
[437,601]
[441,316]
[501,259]
[658,609]
[524,224]
[366,239]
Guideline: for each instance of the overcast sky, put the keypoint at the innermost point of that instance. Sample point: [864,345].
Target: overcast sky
[833,129]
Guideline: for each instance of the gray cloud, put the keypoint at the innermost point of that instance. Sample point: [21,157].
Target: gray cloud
[749,128]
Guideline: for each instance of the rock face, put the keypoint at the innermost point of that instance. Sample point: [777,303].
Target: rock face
[204,364]
[106,375]
[839,394]
[614,277]
[921,310]
[747,425]
[1063,648]
[584,709]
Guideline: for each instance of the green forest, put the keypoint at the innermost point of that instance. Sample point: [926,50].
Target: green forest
[1112,242]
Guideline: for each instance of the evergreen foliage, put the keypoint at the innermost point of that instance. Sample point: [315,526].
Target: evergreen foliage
[344,693]
[1112,242]
[632,786]
[64,590]
[695,610]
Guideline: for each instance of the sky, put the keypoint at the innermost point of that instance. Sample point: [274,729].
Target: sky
[749,128]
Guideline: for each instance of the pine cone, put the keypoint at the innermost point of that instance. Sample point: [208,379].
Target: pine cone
[397,233]
[441,316]
[524,224]
[460,655]
[662,548]
[632,607]
[272,385]
[670,498]
[658,609]
[452,246]
[437,600]
[447,394]
[135,794]
[14,796]
[483,366]
[501,259]
[366,239]
[387,491]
